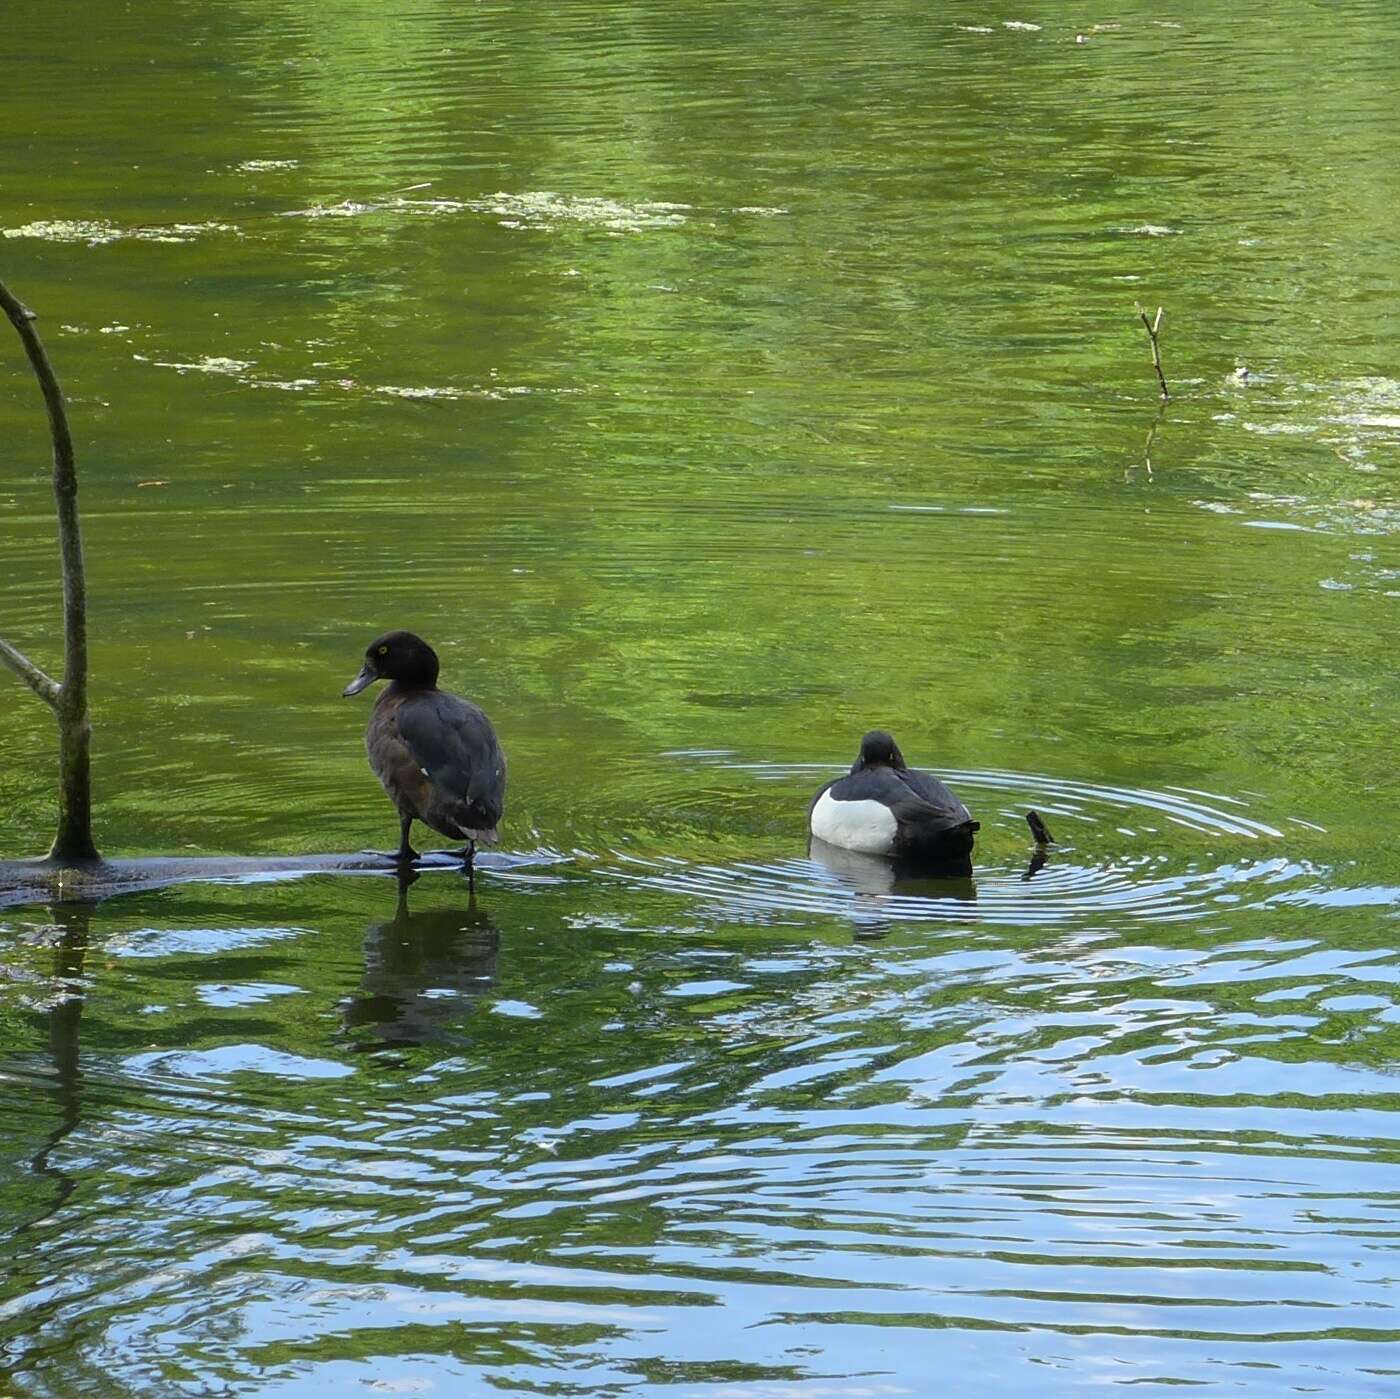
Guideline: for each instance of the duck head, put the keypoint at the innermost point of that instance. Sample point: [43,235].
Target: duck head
[397,655]
[878,749]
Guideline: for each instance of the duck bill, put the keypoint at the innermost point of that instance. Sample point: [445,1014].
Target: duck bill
[365,677]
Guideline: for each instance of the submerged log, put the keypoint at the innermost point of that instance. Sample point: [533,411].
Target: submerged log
[59,881]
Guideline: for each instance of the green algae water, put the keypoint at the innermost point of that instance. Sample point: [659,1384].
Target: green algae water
[710,383]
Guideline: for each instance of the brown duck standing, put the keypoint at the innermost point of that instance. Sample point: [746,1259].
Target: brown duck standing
[435,753]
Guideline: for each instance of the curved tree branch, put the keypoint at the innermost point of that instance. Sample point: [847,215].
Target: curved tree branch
[73,839]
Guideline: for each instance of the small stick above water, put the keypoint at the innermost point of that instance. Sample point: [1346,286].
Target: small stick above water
[1153,329]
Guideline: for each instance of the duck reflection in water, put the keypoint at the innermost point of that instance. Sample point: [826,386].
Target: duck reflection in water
[880,874]
[423,972]
[876,878]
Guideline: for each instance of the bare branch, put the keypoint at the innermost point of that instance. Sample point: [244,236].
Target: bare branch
[1153,329]
[73,840]
[65,490]
[43,685]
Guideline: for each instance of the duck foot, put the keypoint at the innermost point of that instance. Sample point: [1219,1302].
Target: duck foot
[439,859]
[394,857]
[467,855]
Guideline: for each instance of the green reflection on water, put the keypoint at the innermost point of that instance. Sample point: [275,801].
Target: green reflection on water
[709,384]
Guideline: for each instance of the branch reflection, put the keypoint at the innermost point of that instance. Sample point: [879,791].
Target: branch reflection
[71,923]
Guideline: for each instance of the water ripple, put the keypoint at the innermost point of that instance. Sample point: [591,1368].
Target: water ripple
[1120,856]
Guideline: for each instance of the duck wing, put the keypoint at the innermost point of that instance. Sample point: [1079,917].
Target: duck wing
[947,808]
[882,785]
[916,799]
[453,742]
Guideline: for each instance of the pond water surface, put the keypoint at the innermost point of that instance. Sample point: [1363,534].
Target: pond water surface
[711,382]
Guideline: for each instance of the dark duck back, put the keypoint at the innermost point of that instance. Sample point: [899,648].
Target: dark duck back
[885,807]
[435,754]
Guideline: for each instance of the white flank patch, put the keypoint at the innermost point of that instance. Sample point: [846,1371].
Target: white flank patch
[866,826]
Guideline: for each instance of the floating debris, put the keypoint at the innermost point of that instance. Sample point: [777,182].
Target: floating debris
[1372,402]
[356,208]
[539,209]
[543,209]
[238,369]
[210,364]
[396,391]
[95,232]
[90,231]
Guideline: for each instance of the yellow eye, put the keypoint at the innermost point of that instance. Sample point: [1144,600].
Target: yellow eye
[383,650]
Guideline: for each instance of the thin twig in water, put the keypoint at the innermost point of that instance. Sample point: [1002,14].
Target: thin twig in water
[1153,329]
